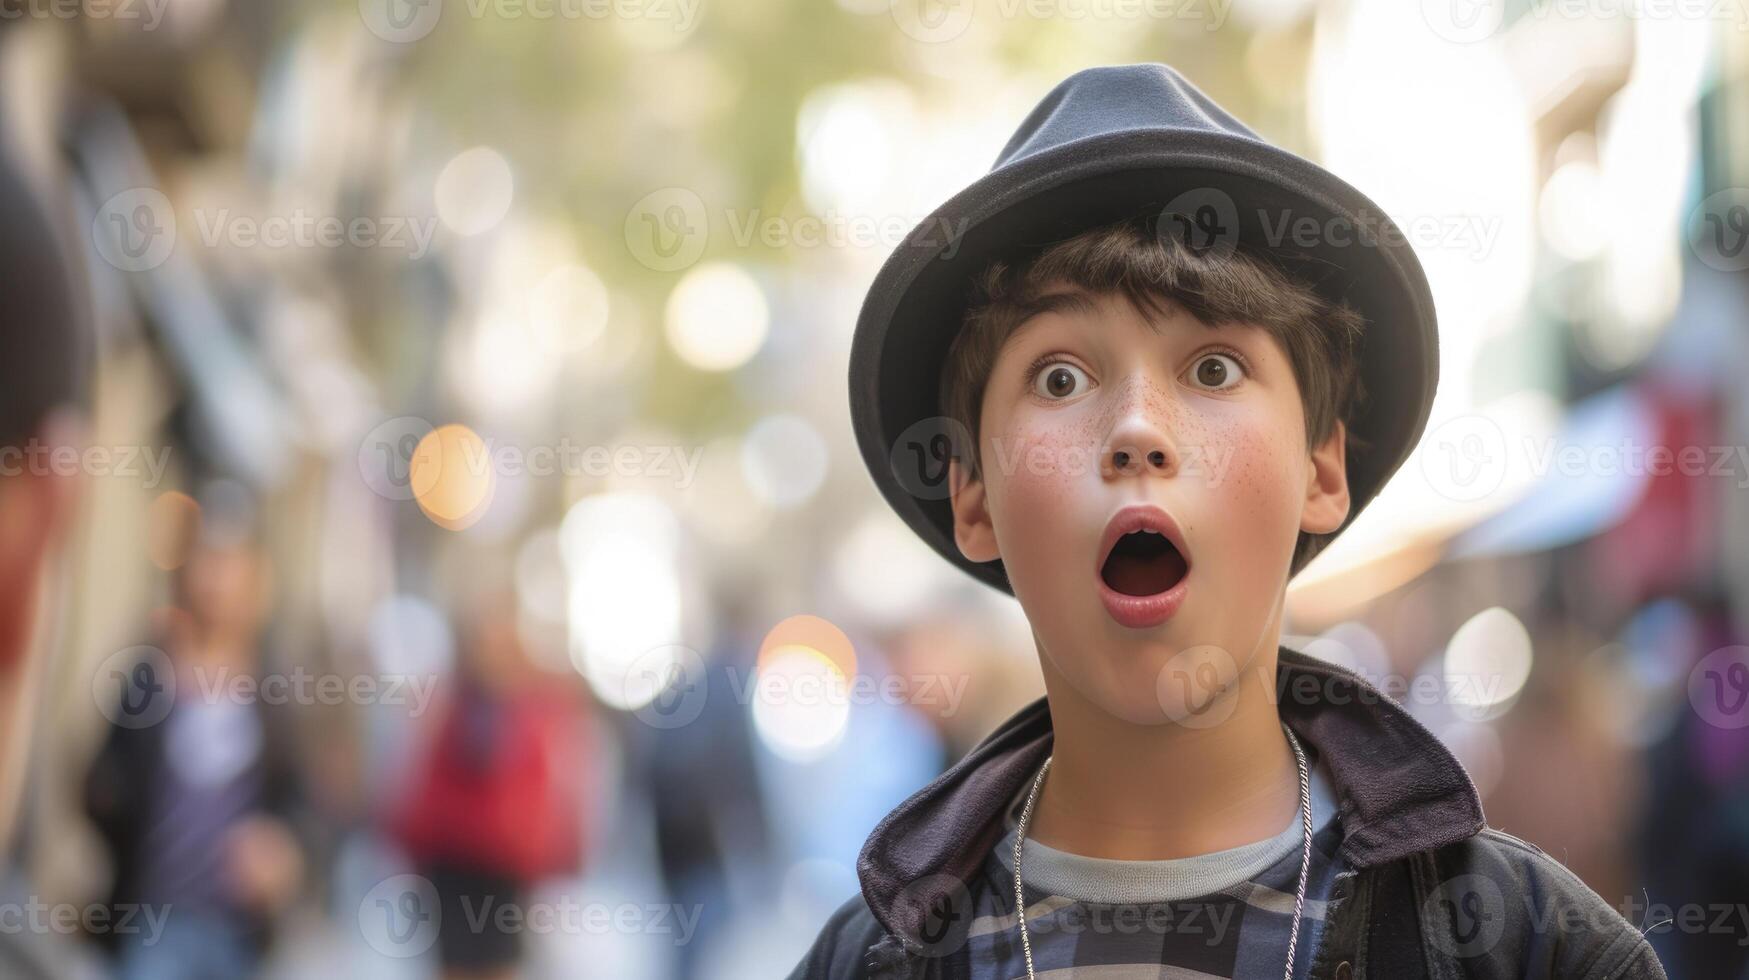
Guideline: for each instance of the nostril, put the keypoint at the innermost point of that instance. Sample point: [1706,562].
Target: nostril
[1120,459]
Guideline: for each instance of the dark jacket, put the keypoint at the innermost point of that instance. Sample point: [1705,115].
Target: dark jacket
[122,798]
[1429,891]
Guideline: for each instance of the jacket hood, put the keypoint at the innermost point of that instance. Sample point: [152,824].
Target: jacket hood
[1399,790]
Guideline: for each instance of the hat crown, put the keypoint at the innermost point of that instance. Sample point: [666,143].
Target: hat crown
[1118,98]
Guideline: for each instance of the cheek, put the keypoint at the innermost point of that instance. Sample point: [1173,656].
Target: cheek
[1040,467]
[1038,476]
[1258,470]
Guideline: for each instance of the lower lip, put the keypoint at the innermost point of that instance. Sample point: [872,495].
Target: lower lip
[1141,612]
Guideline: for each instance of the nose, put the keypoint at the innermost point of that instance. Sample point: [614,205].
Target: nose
[1138,443]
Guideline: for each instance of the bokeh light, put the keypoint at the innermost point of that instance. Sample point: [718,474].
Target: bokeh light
[783,460]
[620,551]
[452,477]
[474,191]
[802,702]
[1487,661]
[717,317]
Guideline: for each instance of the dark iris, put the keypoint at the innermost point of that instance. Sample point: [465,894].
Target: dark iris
[1211,372]
[1061,381]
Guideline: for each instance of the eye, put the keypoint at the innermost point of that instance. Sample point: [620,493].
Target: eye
[1060,379]
[1216,371]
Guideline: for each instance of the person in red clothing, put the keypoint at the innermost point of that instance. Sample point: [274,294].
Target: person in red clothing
[497,800]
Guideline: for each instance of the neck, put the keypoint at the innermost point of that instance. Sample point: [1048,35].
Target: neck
[1138,792]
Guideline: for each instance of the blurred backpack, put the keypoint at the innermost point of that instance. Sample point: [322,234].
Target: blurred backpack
[502,787]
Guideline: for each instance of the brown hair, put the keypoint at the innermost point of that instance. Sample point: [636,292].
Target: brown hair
[1155,272]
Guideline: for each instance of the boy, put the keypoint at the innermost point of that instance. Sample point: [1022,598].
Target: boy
[1185,361]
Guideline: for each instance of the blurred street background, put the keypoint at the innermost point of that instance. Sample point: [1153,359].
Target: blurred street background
[471,501]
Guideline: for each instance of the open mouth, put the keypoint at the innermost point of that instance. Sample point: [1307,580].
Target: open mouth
[1143,563]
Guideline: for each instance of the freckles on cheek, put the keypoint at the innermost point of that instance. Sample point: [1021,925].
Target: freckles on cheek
[1254,499]
[1041,468]
[1253,464]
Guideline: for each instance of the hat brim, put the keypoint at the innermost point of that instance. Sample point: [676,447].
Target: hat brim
[918,299]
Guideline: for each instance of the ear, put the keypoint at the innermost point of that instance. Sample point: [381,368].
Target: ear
[1327,484]
[973,529]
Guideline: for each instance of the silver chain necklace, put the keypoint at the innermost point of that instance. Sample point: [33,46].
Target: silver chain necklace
[1305,854]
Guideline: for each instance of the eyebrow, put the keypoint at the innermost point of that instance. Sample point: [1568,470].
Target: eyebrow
[1073,300]
[1063,301]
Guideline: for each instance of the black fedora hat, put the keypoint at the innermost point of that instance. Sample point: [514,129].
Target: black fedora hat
[1106,144]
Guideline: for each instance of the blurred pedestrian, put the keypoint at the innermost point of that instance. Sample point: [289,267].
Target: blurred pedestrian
[196,802]
[497,801]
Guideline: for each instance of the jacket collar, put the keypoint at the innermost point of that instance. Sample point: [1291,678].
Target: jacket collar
[1398,789]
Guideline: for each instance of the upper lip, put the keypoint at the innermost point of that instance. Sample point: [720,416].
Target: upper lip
[1141,517]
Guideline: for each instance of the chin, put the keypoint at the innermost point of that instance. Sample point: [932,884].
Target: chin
[1178,684]
[1137,707]
[1155,685]
[1131,703]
